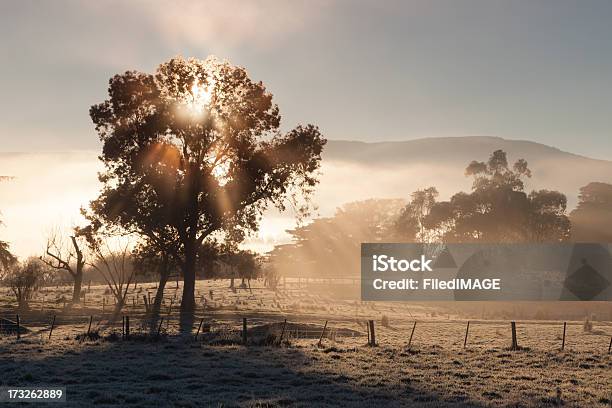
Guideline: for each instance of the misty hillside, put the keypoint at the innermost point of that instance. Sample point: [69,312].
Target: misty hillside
[48,189]
[441,162]
[452,150]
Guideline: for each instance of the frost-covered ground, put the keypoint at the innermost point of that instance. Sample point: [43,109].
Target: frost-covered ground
[178,371]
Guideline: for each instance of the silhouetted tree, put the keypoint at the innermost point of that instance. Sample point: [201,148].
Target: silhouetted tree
[498,209]
[592,218]
[547,220]
[239,264]
[410,223]
[194,150]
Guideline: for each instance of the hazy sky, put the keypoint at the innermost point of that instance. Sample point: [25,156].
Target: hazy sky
[377,70]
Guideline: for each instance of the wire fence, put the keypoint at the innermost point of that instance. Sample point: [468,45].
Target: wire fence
[253,329]
[221,320]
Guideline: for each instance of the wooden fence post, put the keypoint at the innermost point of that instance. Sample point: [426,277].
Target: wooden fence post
[372,333]
[411,334]
[610,346]
[514,342]
[52,326]
[244,330]
[322,333]
[123,327]
[18,328]
[89,327]
[467,329]
[563,342]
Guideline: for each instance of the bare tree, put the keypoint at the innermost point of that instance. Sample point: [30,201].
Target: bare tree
[66,255]
[116,267]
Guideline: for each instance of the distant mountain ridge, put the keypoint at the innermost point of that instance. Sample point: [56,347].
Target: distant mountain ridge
[451,148]
[403,166]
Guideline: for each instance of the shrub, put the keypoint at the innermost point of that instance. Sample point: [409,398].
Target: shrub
[24,279]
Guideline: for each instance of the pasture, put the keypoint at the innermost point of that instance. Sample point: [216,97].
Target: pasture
[217,369]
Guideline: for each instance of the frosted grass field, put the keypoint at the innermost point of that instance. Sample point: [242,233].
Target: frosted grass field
[182,372]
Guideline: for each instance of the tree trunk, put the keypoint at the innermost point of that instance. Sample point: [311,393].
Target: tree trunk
[78,275]
[188,301]
[159,295]
[76,291]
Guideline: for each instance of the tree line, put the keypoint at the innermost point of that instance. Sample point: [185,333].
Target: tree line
[496,209]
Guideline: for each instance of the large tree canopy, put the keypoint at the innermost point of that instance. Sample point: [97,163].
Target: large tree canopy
[195,150]
[498,210]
